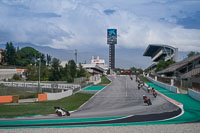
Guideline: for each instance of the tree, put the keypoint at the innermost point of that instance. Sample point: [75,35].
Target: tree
[48,60]
[163,64]
[55,70]
[66,76]
[44,73]
[81,72]
[192,53]
[31,73]
[42,59]
[27,55]
[9,54]
[16,77]
[72,69]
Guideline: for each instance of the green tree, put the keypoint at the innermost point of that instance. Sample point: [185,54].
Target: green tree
[81,71]
[16,77]
[192,53]
[55,70]
[163,64]
[48,60]
[32,73]
[66,76]
[44,73]
[9,54]
[72,69]
[27,55]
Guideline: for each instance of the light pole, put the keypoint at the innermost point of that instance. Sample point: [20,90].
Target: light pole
[39,76]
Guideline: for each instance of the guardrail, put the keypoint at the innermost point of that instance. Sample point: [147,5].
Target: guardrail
[168,87]
[194,94]
[42,85]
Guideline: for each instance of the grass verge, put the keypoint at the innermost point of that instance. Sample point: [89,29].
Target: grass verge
[144,79]
[104,81]
[42,108]
[21,92]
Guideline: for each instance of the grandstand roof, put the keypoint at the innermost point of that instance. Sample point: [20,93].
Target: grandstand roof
[152,49]
[180,64]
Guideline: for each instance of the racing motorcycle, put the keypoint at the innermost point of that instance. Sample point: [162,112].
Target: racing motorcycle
[147,100]
[61,112]
[154,93]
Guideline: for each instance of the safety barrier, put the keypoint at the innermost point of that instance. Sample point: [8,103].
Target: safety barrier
[56,96]
[42,85]
[168,87]
[194,94]
[42,97]
[9,99]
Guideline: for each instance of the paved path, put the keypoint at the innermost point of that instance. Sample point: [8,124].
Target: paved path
[172,128]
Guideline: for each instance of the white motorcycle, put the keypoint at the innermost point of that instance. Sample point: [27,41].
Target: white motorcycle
[61,112]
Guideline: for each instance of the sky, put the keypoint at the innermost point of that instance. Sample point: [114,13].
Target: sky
[82,25]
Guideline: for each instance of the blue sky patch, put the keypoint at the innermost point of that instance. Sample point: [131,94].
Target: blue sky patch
[109,11]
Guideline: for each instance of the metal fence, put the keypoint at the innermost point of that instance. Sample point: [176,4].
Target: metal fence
[164,80]
[152,76]
[50,85]
[196,86]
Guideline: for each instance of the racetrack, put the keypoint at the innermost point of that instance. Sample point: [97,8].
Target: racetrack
[121,101]
[122,98]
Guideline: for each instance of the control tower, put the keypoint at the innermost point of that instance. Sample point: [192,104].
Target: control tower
[111,41]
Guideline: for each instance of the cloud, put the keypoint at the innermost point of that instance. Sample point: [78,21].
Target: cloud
[82,24]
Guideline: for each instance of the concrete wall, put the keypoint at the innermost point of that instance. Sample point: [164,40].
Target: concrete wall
[56,96]
[168,87]
[8,73]
[194,94]
[96,79]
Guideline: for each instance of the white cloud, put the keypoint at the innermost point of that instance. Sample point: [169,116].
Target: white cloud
[78,23]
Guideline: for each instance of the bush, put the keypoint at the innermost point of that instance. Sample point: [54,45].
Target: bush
[16,77]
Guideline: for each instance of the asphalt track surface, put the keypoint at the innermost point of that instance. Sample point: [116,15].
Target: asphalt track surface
[120,98]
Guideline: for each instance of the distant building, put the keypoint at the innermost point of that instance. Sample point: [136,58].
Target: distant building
[63,63]
[9,73]
[158,52]
[97,66]
[99,62]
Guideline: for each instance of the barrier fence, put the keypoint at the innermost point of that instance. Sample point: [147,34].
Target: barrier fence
[164,80]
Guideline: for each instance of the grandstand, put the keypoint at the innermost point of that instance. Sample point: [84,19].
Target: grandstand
[158,52]
[186,68]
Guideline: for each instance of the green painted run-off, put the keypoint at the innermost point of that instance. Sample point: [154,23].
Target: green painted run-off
[94,88]
[191,107]
[67,120]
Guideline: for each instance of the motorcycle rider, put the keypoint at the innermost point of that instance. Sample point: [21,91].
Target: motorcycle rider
[148,89]
[154,93]
[139,85]
[152,89]
[61,112]
[145,98]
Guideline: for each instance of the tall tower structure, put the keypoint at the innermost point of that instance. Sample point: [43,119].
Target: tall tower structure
[111,41]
